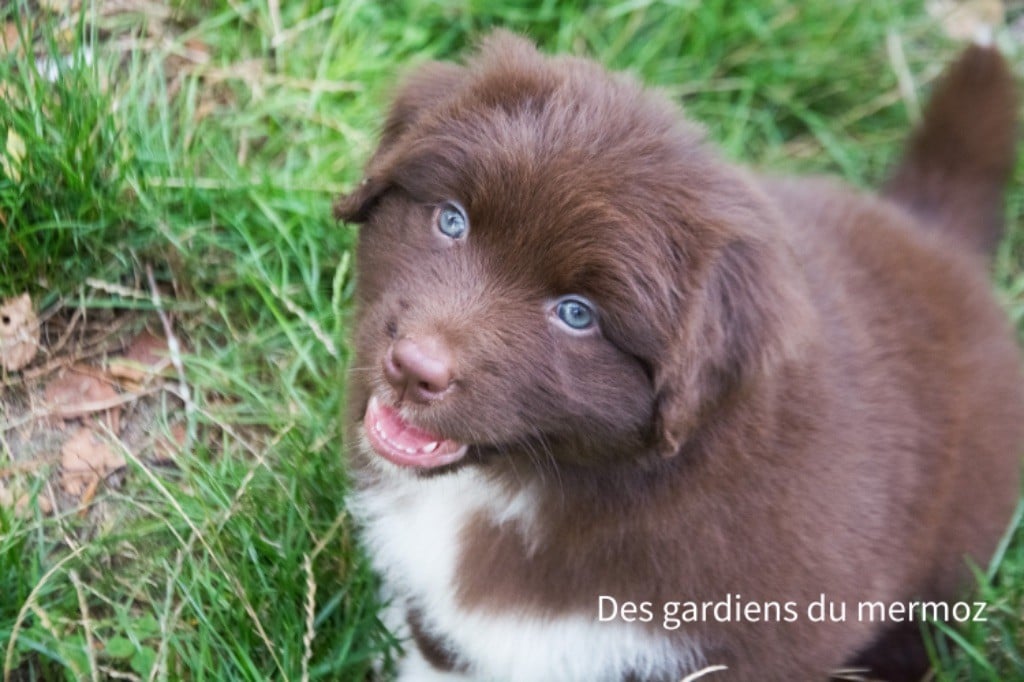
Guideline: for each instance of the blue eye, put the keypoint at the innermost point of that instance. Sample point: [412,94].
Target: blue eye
[576,313]
[452,220]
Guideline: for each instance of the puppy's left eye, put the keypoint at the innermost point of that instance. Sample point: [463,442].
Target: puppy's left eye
[451,220]
[576,313]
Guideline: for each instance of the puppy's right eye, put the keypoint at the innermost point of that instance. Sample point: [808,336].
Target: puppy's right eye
[576,313]
[451,220]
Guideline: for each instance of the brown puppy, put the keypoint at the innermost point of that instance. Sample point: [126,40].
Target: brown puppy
[602,374]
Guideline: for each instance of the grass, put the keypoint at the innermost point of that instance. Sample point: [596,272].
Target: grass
[204,144]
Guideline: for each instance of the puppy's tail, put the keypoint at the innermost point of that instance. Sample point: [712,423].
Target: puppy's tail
[957,163]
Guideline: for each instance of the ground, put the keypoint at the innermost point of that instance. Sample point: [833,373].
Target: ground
[171,474]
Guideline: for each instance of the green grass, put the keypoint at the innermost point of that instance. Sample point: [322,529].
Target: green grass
[207,145]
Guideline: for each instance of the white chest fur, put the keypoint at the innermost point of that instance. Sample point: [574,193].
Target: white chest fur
[412,530]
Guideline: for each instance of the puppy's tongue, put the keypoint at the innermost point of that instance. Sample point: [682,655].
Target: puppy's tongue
[398,441]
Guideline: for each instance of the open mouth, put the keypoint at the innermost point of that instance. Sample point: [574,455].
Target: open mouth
[398,441]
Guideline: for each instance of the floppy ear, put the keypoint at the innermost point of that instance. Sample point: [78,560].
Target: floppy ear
[355,207]
[749,318]
[421,92]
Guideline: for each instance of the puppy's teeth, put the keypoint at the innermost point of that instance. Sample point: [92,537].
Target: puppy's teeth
[430,447]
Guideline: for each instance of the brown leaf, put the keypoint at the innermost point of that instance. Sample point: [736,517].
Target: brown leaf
[86,458]
[10,41]
[167,446]
[72,391]
[21,506]
[144,358]
[77,392]
[19,502]
[198,50]
[19,333]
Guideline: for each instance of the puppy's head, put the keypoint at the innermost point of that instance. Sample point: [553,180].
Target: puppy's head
[552,267]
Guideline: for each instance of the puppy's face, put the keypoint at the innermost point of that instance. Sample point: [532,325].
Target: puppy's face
[537,269]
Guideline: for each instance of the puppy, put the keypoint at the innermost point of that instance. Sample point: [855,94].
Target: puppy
[600,371]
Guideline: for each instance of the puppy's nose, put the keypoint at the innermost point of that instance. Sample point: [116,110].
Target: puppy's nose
[420,369]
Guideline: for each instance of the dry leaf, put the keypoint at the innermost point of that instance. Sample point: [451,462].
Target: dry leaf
[167,446]
[148,349]
[78,392]
[21,506]
[967,19]
[13,492]
[60,6]
[9,39]
[19,333]
[86,459]
[11,161]
[146,357]
[10,498]
[198,50]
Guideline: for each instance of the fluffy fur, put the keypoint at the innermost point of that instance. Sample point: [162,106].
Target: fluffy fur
[792,389]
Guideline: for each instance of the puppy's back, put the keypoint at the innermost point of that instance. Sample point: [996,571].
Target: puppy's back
[909,318]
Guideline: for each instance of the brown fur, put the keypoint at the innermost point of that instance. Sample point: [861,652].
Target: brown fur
[796,389]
